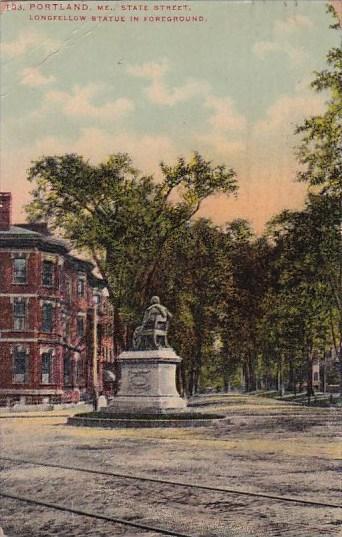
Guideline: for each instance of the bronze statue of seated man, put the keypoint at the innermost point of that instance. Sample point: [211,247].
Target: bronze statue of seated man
[152,333]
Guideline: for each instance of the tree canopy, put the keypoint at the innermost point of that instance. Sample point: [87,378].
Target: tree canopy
[121,218]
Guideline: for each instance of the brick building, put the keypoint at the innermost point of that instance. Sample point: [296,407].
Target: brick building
[53,314]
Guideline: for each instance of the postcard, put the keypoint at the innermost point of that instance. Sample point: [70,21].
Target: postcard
[170,271]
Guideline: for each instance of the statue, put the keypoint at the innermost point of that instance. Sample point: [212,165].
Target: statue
[148,370]
[152,333]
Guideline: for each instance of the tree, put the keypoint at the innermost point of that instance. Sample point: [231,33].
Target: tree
[320,149]
[320,153]
[248,257]
[121,218]
[296,317]
[195,275]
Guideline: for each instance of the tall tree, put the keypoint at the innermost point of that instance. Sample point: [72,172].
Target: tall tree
[196,275]
[320,153]
[320,149]
[122,218]
[300,303]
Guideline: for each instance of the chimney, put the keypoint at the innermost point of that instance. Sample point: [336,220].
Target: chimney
[5,210]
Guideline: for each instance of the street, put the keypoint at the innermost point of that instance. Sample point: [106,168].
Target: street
[264,447]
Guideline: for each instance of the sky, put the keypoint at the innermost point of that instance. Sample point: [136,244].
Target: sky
[232,87]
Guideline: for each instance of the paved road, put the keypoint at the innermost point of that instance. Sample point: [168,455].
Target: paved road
[263,446]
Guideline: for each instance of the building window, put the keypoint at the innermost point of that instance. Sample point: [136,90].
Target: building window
[19,314]
[67,289]
[67,369]
[19,270]
[67,328]
[47,317]
[81,286]
[315,376]
[20,365]
[48,273]
[80,326]
[79,369]
[46,367]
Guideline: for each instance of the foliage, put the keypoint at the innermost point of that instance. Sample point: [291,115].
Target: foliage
[123,219]
[320,150]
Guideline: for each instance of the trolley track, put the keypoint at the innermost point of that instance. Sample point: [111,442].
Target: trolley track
[209,488]
[97,516]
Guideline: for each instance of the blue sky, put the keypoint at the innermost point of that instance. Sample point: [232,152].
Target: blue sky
[232,87]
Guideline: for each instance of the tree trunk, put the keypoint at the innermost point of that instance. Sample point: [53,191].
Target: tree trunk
[309,390]
[324,376]
[119,346]
[246,376]
[179,380]
[281,386]
[339,365]
[118,333]
[250,377]
[196,379]
[117,373]
[184,384]
[225,378]
[291,386]
[191,381]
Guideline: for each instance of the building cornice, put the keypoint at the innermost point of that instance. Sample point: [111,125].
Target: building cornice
[43,244]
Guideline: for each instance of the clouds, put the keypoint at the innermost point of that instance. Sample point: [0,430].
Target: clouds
[25,42]
[80,103]
[292,24]
[221,124]
[272,139]
[158,91]
[264,158]
[174,90]
[287,111]
[33,77]
[260,152]
[296,55]
[283,37]
[221,120]
[225,128]
[147,150]
[224,117]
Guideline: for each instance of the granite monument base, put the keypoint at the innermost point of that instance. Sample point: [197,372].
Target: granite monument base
[148,383]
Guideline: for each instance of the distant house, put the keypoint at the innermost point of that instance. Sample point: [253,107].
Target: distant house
[48,302]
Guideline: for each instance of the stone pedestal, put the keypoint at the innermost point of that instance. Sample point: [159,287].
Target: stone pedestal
[148,382]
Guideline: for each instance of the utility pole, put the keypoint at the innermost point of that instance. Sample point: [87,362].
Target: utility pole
[95,371]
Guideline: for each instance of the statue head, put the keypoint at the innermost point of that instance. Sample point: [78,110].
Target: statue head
[155,300]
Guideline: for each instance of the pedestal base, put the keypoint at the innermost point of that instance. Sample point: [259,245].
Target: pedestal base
[148,383]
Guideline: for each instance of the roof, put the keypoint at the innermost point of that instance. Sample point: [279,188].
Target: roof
[17,230]
[82,263]
[23,237]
